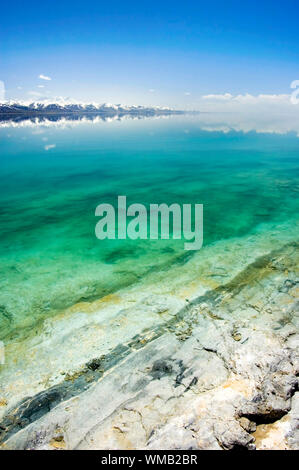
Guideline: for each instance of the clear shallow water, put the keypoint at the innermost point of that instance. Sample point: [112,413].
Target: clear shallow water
[49,255]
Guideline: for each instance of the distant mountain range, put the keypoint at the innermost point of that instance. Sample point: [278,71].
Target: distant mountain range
[18,112]
[48,108]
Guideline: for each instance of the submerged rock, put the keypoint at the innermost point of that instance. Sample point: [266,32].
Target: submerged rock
[219,373]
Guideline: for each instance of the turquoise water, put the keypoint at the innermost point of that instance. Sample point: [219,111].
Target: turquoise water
[49,256]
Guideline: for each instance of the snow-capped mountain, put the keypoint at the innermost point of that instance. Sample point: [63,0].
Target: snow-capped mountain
[37,108]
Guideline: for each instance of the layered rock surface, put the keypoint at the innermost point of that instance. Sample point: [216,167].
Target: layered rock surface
[219,372]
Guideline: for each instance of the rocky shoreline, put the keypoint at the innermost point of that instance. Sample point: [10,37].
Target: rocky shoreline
[220,373]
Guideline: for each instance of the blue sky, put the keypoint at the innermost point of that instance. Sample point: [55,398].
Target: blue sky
[153,53]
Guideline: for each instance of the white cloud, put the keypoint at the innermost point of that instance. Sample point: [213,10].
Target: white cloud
[151,90]
[260,113]
[50,146]
[225,96]
[247,98]
[19,87]
[44,77]
[187,93]
[35,94]
[40,86]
